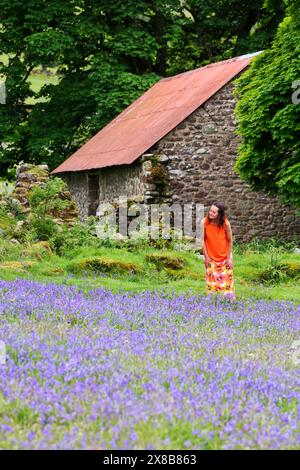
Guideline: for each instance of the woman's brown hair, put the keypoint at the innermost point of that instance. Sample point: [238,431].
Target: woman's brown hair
[221,213]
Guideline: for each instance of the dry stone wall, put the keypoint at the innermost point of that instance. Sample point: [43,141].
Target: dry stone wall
[28,176]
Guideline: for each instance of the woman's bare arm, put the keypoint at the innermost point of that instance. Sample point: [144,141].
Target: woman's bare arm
[202,241]
[229,238]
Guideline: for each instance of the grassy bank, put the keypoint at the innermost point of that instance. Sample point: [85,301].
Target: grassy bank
[151,269]
[36,246]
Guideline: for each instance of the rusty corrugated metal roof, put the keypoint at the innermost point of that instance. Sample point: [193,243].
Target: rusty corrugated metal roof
[152,116]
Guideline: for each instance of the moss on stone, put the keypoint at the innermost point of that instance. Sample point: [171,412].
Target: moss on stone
[37,171]
[166,260]
[181,274]
[52,271]
[103,265]
[17,265]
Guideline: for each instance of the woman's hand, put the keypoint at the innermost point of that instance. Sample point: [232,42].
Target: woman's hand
[229,261]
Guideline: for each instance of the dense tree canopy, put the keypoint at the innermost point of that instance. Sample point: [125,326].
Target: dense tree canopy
[269,115]
[105,54]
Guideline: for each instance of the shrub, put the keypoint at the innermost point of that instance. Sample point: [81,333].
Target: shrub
[76,236]
[257,245]
[9,250]
[280,272]
[268,119]
[38,250]
[44,200]
[42,228]
[7,223]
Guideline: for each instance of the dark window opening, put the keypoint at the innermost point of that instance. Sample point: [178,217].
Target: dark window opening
[93,185]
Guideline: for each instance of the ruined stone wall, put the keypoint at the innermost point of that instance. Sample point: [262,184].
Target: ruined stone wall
[199,156]
[27,177]
[78,186]
[89,188]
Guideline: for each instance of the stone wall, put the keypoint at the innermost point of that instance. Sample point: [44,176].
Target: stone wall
[78,185]
[123,180]
[199,156]
[89,188]
[27,177]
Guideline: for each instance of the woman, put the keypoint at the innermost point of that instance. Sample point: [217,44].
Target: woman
[216,238]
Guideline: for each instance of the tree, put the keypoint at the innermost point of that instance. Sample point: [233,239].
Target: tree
[105,54]
[224,29]
[268,115]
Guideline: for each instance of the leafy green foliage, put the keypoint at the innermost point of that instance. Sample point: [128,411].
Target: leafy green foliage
[224,29]
[70,238]
[280,273]
[106,54]
[44,201]
[269,121]
[42,228]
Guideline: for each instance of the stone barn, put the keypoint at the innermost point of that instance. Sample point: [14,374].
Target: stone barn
[177,143]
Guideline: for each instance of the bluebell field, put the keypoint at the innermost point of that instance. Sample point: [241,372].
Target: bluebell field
[100,370]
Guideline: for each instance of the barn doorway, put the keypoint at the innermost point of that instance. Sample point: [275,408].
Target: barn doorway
[94,193]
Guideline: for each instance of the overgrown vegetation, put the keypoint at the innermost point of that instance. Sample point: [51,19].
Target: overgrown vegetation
[35,246]
[268,113]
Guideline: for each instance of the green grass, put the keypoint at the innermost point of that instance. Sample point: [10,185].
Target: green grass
[6,187]
[37,79]
[247,268]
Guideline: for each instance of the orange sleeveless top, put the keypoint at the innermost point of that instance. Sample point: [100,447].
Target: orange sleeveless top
[216,241]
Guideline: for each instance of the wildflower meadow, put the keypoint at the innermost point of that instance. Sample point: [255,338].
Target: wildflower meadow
[150,370]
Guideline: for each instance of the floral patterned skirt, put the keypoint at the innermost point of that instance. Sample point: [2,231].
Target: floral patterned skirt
[219,278]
